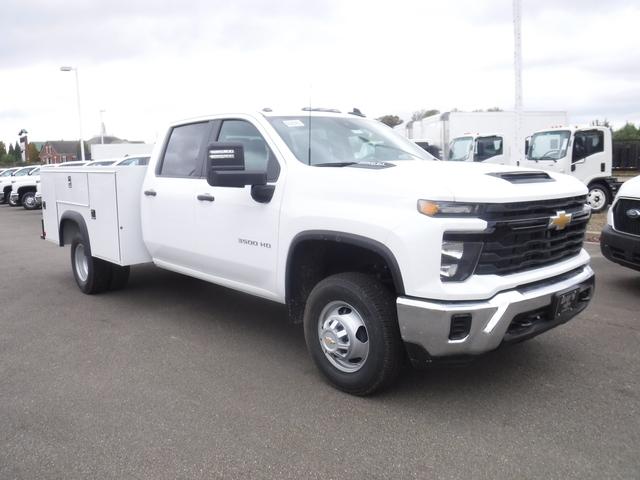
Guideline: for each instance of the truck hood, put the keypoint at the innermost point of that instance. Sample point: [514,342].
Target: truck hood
[465,182]
[630,188]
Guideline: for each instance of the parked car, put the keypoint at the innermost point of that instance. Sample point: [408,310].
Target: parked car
[101,163]
[6,181]
[379,251]
[620,238]
[23,189]
[132,161]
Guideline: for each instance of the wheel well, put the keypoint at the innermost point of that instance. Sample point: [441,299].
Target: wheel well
[311,260]
[71,224]
[23,190]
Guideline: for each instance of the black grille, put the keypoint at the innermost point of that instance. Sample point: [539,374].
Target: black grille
[621,219]
[519,237]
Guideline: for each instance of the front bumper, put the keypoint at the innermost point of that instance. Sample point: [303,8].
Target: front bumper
[14,197]
[38,200]
[510,316]
[621,248]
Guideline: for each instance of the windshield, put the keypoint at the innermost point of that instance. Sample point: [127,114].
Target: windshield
[460,149]
[22,173]
[343,141]
[7,173]
[548,145]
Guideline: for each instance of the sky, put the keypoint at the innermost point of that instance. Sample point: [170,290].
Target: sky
[146,63]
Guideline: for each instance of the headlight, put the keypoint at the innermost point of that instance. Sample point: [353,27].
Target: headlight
[458,259]
[448,209]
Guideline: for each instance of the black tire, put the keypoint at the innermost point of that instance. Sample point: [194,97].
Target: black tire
[28,201]
[119,277]
[377,308]
[98,275]
[602,189]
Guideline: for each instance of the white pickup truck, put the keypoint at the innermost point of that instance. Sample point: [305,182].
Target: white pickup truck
[620,239]
[381,253]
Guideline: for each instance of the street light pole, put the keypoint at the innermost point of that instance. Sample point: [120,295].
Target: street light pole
[75,70]
[517,66]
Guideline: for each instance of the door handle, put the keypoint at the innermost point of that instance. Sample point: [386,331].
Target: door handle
[150,193]
[205,197]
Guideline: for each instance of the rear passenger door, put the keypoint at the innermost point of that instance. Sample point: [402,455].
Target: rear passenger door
[170,197]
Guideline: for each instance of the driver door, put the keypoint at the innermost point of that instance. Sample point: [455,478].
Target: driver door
[238,239]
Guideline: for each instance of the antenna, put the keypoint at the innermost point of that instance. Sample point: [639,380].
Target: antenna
[309,124]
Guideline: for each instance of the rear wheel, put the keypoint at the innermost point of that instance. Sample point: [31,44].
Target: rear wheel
[29,201]
[352,334]
[599,197]
[119,277]
[92,274]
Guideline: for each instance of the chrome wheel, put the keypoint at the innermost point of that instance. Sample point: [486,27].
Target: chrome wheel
[29,201]
[81,262]
[597,198]
[343,336]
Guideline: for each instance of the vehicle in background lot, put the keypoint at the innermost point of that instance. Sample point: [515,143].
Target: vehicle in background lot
[378,250]
[582,152]
[478,148]
[134,161]
[7,181]
[101,163]
[620,238]
[23,189]
[78,163]
[442,129]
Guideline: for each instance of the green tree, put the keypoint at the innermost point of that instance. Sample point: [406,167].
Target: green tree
[420,114]
[391,120]
[628,132]
[3,149]
[17,152]
[33,153]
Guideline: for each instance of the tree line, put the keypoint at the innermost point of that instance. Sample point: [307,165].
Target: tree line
[13,155]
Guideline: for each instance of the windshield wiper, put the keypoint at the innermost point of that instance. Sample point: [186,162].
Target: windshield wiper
[334,164]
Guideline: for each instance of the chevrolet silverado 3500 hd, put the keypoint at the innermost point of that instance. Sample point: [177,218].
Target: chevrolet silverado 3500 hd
[379,250]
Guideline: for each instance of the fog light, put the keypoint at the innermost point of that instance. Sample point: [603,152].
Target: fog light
[458,259]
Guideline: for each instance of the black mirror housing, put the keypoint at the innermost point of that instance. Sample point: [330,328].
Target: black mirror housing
[237,179]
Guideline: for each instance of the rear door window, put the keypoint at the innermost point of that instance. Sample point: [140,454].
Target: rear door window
[183,154]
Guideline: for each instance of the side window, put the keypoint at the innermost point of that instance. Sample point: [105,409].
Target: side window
[488,147]
[182,155]
[587,143]
[257,154]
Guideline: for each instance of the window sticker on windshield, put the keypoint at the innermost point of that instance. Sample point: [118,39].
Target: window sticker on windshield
[293,123]
[357,132]
[564,144]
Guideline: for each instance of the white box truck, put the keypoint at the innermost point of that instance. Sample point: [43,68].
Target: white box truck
[480,136]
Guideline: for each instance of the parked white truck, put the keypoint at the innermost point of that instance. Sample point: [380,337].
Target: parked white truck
[480,136]
[380,252]
[620,238]
[8,178]
[23,190]
[585,153]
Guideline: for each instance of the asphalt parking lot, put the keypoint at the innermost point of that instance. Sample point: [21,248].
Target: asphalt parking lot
[176,378]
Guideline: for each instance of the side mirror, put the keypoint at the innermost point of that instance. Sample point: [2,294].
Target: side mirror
[225,167]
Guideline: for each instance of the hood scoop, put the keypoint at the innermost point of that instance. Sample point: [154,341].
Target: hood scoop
[523,177]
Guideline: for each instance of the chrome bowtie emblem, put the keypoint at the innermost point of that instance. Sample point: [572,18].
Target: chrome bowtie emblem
[560,220]
[633,213]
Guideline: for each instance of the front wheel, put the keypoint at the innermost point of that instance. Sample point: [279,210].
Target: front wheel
[13,203]
[351,331]
[29,201]
[598,197]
